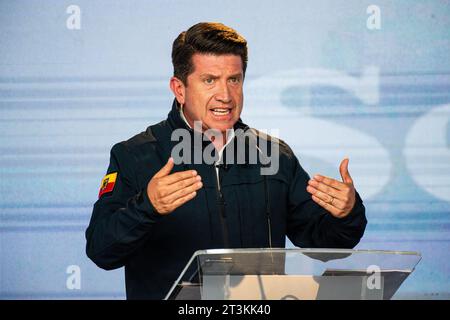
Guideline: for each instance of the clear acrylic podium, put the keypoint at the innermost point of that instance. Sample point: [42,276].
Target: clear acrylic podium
[296,274]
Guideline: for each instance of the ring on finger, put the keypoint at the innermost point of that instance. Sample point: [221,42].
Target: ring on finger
[331,201]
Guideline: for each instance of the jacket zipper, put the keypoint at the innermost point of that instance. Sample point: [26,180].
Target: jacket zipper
[222,212]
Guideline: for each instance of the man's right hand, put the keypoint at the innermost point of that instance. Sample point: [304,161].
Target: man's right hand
[169,191]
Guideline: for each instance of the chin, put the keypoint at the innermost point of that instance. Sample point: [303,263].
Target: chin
[220,126]
[224,128]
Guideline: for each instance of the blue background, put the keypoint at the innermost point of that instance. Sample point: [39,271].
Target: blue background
[328,84]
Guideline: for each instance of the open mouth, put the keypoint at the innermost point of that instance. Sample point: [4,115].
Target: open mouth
[221,111]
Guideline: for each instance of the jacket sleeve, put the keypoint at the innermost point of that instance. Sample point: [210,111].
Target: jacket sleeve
[311,226]
[121,219]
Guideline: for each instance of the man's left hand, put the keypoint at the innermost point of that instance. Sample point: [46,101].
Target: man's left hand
[336,197]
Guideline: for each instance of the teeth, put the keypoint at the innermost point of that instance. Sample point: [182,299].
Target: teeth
[218,111]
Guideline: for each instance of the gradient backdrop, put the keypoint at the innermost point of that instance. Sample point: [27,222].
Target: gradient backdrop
[332,87]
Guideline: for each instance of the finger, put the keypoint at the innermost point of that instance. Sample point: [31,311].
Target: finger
[167,190]
[183,200]
[328,190]
[164,171]
[343,170]
[331,182]
[331,201]
[178,176]
[182,192]
[334,211]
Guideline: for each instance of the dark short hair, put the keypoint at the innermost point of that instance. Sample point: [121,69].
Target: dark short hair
[206,38]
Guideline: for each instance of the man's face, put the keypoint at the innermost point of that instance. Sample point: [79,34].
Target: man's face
[213,93]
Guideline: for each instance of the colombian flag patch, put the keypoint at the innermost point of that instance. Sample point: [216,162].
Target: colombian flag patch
[107,184]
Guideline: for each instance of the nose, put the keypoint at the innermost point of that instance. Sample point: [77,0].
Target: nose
[223,94]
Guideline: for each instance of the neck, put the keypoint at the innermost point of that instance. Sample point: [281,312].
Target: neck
[218,140]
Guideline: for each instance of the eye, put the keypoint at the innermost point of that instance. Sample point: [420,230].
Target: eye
[234,80]
[208,80]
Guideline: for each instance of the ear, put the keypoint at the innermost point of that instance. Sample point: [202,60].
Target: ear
[178,89]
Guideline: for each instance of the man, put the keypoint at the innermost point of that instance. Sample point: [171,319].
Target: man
[153,214]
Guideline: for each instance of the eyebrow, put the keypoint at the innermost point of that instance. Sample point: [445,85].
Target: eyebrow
[205,75]
[236,75]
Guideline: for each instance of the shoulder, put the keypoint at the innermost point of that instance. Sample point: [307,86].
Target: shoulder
[283,148]
[279,157]
[140,146]
[140,140]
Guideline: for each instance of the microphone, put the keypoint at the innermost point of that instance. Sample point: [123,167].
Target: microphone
[222,204]
[268,213]
[266,195]
[224,166]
